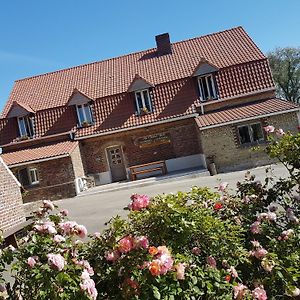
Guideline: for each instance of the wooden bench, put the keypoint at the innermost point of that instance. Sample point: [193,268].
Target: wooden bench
[148,168]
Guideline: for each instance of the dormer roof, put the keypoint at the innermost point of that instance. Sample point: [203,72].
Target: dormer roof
[19,109]
[204,67]
[77,97]
[139,83]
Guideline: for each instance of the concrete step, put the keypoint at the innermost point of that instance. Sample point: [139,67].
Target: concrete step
[117,186]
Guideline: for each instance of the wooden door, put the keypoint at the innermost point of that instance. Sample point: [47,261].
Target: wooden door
[116,163]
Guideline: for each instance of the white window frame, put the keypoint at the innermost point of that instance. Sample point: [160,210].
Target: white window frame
[251,133]
[26,119]
[36,176]
[215,95]
[84,113]
[143,100]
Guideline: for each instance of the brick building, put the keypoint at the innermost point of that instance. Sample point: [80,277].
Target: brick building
[11,206]
[181,103]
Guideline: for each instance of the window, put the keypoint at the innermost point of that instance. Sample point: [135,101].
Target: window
[143,101]
[33,176]
[84,114]
[26,126]
[207,87]
[28,176]
[250,134]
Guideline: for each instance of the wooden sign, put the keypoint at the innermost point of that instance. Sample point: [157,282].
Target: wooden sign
[153,140]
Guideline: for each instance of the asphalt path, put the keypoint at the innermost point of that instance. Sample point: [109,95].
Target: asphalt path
[93,210]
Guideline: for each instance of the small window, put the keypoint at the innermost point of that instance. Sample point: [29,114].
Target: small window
[28,176]
[143,101]
[250,134]
[26,126]
[84,114]
[33,176]
[207,87]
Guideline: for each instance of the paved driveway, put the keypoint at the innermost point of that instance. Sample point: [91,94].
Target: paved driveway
[95,209]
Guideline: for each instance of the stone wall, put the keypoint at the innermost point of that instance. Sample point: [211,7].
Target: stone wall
[222,142]
[56,180]
[183,142]
[11,206]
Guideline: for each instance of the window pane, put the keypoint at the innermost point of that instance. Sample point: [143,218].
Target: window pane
[147,100]
[257,133]
[22,127]
[138,96]
[29,126]
[204,89]
[244,135]
[80,114]
[88,115]
[33,175]
[210,88]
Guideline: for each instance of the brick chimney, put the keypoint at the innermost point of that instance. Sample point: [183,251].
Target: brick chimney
[163,44]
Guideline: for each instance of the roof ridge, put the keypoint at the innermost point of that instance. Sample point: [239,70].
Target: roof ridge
[133,53]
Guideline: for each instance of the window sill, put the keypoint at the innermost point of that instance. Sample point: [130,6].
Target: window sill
[250,145]
[85,125]
[141,114]
[210,99]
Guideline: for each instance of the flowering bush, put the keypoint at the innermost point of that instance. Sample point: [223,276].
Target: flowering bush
[242,244]
[49,263]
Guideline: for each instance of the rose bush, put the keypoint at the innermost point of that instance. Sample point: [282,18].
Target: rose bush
[49,262]
[242,244]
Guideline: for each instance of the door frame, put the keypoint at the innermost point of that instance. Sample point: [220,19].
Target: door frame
[108,163]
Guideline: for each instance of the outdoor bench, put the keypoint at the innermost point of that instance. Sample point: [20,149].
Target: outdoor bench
[148,168]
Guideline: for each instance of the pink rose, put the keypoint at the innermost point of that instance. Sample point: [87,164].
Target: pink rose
[56,261]
[166,263]
[112,256]
[97,235]
[269,129]
[48,204]
[196,250]
[138,202]
[259,253]
[223,186]
[280,132]
[59,239]
[81,231]
[126,244]
[211,261]
[259,293]
[64,212]
[142,242]
[88,285]
[31,262]
[255,227]
[180,271]
[68,227]
[239,291]
[46,227]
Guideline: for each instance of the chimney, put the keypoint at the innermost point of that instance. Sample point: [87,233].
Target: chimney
[163,44]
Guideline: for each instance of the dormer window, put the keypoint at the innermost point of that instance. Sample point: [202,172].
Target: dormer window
[26,126]
[84,114]
[207,87]
[143,101]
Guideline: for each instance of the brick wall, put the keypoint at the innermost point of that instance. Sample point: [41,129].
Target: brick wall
[11,206]
[56,180]
[229,155]
[183,137]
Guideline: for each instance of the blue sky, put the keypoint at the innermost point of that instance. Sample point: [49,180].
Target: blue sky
[41,36]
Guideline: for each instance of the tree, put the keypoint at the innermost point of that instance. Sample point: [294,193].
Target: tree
[285,65]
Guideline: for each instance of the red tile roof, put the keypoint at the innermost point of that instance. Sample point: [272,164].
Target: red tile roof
[38,153]
[231,47]
[242,112]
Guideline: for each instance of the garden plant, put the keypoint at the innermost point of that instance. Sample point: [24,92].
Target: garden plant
[201,244]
